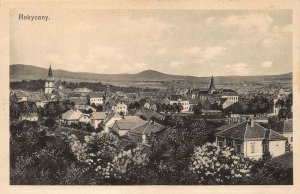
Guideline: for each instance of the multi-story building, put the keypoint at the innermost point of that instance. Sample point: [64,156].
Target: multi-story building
[177,99]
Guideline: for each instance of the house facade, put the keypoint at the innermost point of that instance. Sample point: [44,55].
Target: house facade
[144,133]
[126,124]
[120,107]
[97,118]
[71,116]
[285,128]
[177,99]
[29,117]
[21,96]
[95,98]
[110,120]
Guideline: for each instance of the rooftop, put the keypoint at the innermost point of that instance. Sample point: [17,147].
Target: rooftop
[245,131]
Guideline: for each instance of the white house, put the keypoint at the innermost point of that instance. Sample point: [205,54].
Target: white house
[21,96]
[28,117]
[126,124]
[251,140]
[95,98]
[178,99]
[71,116]
[84,118]
[110,120]
[143,133]
[97,118]
[285,128]
[120,107]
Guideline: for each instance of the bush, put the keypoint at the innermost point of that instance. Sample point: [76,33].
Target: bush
[214,165]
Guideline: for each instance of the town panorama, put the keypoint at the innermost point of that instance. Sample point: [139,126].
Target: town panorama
[91,133]
[151,97]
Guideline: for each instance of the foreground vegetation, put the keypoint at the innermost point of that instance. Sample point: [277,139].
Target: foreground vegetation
[184,154]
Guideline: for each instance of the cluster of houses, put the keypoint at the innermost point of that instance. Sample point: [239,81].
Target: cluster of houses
[247,134]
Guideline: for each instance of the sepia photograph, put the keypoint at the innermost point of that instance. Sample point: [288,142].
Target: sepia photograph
[151,97]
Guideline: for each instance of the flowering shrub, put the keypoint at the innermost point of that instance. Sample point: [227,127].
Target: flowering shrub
[214,165]
[99,154]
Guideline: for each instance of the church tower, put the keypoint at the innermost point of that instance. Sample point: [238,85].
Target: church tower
[212,87]
[106,94]
[49,82]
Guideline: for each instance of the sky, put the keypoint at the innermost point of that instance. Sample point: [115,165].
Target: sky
[182,42]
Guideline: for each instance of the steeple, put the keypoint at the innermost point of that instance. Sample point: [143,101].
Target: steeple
[49,82]
[50,74]
[212,87]
[106,94]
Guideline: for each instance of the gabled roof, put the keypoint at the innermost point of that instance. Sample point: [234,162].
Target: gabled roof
[245,132]
[85,107]
[176,97]
[29,115]
[149,114]
[72,115]
[78,101]
[110,116]
[34,97]
[20,94]
[210,100]
[228,90]
[148,128]
[128,123]
[285,126]
[85,90]
[75,95]
[194,101]
[98,115]
[227,126]
[96,95]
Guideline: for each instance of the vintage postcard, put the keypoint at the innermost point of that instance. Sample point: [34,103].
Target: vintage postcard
[146,96]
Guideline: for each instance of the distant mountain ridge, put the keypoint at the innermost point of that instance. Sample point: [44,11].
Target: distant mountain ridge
[29,72]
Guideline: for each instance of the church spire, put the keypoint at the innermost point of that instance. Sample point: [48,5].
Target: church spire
[50,74]
[212,87]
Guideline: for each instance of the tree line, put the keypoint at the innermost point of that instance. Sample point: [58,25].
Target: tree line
[37,85]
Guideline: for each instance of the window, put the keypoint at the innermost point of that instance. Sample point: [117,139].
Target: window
[229,143]
[220,144]
[291,139]
[238,148]
[252,147]
[265,148]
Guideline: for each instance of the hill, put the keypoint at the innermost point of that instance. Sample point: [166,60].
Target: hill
[29,72]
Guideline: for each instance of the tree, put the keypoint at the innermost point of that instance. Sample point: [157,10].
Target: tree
[179,108]
[14,109]
[259,105]
[159,107]
[50,122]
[198,109]
[48,165]
[214,165]
[172,151]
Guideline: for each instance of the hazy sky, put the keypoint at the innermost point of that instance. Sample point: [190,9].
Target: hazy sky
[187,42]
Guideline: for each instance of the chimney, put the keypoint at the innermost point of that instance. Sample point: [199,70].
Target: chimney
[251,123]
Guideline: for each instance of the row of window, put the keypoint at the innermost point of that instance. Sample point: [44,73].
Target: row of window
[96,99]
[238,147]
